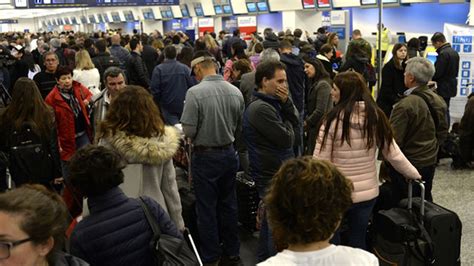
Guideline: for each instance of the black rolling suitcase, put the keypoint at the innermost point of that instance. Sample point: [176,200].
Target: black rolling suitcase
[247,201]
[417,233]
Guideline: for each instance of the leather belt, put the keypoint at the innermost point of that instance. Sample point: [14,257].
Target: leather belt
[212,148]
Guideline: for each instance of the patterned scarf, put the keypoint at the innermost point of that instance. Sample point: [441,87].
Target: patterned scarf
[69,97]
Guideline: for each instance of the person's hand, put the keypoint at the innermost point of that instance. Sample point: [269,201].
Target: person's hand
[86,102]
[282,93]
[414,178]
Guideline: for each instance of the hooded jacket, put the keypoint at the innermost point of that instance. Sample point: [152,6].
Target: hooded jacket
[357,162]
[155,156]
[296,78]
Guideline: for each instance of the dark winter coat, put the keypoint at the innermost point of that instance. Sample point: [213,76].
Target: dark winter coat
[392,87]
[116,232]
[296,78]
[137,72]
[269,135]
[447,69]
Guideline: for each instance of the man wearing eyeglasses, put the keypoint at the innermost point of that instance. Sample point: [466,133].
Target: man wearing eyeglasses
[211,118]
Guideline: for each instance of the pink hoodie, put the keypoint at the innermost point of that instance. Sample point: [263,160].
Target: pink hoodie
[355,161]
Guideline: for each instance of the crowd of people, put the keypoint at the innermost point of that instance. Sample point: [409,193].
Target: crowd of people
[100,117]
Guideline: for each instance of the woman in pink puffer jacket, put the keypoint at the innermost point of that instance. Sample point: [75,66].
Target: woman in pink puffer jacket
[349,137]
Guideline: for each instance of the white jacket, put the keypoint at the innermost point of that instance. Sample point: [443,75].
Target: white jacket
[89,78]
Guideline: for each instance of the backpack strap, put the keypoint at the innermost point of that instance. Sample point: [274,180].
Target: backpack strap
[151,220]
[430,107]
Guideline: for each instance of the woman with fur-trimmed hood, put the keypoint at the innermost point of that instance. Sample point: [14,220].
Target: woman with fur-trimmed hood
[134,128]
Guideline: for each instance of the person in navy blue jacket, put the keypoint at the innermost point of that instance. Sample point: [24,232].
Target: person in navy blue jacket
[116,232]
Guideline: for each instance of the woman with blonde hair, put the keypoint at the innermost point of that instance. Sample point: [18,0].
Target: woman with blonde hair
[134,128]
[86,73]
[213,48]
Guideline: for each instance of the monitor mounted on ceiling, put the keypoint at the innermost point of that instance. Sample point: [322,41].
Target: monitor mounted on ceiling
[251,7]
[309,4]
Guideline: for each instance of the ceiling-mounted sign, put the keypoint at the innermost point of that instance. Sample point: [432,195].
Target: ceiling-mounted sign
[8,21]
[21,3]
[96,3]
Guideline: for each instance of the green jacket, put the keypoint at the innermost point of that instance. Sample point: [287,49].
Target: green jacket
[414,128]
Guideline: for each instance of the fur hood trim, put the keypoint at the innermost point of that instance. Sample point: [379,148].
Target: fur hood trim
[153,151]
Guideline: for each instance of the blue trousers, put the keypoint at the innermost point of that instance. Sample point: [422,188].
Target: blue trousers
[357,218]
[266,247]
[213,175]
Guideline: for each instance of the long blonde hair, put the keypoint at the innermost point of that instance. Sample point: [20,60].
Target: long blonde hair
[83,60]
[210,42]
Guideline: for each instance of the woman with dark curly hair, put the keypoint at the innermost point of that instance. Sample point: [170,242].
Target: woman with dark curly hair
[305,204]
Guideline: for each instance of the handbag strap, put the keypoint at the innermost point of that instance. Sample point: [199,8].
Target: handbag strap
[151,220]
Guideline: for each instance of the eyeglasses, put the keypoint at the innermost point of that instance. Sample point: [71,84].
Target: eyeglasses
[5,247]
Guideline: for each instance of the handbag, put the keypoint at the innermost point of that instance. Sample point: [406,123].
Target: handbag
[166,249]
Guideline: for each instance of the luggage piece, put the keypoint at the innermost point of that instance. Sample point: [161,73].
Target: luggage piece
[400,238]
[247,201]
[444,228]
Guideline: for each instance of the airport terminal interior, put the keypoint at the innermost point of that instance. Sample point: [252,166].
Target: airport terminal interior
[236,132]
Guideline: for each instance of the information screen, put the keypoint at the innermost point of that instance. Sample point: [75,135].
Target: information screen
[106,18]
[374,2]
[94,3]
[128,15]
[115,16]
[67,21]
[83,19]
[184,10]
[251,7]
[74,20]
[92,19]
[148,14]
[199,11]
[227,9]
[324,3]
[308,4]
[218,10]
[262,6]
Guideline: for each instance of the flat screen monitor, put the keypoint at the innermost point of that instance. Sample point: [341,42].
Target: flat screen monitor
[106,18]
[252,7]
[100,19]
[374,2]
[227,9]
[309,4]
[432,56]
[49,23]
[92,19]
[74,20]
[184,10]
[199,11]
[83,19]
[262,6]
[218,10]
[169,13]
[148,14]
[128,15]
[115,16]
[67,21]
[324,3]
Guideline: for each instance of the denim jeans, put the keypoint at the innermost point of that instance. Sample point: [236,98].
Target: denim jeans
[213,173]
[357,219]
[266,247]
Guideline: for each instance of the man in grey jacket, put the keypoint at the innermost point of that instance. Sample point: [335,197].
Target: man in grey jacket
[211,118]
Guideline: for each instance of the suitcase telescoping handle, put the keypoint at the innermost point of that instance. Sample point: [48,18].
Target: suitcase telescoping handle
[410,195]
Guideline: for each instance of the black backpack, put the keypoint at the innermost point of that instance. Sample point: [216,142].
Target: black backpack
[369,74]
[29,154]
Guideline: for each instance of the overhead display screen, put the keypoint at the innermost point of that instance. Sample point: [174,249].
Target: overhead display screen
[83,19]
[218,10]
[374,2]
[198,9]
[128,15]
[115,16]
[309,4]
[227,9]
[148,14]
[324,3]
[94,3]
[251,7]
[262,6]
[184,10]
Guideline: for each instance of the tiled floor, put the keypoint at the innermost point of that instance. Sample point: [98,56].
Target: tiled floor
[452,189]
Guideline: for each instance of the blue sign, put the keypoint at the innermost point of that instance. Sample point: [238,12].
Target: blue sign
[341,32]
[464,82]
[466,65]
[465,73]
[467,48]
[462,39]
[457,47]
[8,21]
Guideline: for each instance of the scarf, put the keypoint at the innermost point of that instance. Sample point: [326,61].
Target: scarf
[69,97]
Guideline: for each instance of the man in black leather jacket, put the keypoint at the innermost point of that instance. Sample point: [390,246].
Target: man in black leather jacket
[137,72]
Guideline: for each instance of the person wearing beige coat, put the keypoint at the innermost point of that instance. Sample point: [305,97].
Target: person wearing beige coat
[349,137]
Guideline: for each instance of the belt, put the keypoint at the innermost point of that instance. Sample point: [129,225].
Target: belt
[212,148]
